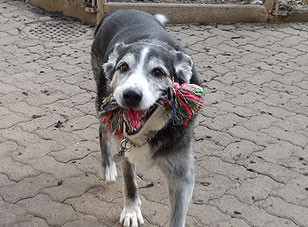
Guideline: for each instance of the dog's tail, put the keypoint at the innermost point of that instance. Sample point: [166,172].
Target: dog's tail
[161,18]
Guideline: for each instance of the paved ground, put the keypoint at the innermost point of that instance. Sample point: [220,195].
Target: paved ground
[251,140]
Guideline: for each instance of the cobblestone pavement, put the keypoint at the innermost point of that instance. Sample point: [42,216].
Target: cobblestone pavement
[251,139]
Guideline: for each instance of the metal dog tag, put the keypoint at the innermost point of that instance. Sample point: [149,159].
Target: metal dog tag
[125,147]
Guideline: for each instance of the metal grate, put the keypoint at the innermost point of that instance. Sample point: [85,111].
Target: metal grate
[58,30]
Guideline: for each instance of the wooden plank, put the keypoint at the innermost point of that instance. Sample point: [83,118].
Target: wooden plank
[197,13]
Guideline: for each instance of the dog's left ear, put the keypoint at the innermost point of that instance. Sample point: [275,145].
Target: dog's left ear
[183,67]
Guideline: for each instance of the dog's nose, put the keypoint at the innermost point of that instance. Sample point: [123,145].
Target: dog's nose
[132,97]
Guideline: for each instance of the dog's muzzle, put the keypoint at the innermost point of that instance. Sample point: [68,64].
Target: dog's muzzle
[132,97]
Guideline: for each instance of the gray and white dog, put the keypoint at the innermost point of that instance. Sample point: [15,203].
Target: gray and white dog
[135,59]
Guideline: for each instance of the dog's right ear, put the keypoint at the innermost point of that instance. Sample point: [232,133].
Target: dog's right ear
[109,66]
[183,67]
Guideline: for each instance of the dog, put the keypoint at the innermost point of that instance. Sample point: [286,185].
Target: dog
[134,58]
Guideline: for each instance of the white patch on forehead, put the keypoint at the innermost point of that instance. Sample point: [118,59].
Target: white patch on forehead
[144,53]
[140,64]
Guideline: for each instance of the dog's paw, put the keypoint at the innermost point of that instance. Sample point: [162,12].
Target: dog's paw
[131,216]
[109,172]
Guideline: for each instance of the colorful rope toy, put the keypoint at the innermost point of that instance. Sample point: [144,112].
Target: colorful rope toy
[181,101]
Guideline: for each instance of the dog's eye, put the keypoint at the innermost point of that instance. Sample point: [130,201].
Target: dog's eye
[158,72]
[123,67]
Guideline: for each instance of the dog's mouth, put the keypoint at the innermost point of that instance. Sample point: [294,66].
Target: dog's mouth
[135,119]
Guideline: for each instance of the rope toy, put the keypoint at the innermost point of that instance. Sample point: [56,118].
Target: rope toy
[180,101]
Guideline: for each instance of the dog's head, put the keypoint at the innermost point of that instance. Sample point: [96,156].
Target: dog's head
[139,73]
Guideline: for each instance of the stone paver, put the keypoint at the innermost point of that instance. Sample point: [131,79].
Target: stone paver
[251,139]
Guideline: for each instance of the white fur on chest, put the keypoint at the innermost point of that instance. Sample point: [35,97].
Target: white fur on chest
[142,156]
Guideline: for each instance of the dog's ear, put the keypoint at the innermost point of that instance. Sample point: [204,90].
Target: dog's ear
[183,67]
[109,66]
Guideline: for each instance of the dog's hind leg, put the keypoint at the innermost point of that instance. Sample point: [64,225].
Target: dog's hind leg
[131,214]
[180,175]
[109,169]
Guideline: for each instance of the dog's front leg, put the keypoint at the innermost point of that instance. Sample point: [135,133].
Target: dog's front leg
[180,175]
[131,214]
[109,169]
